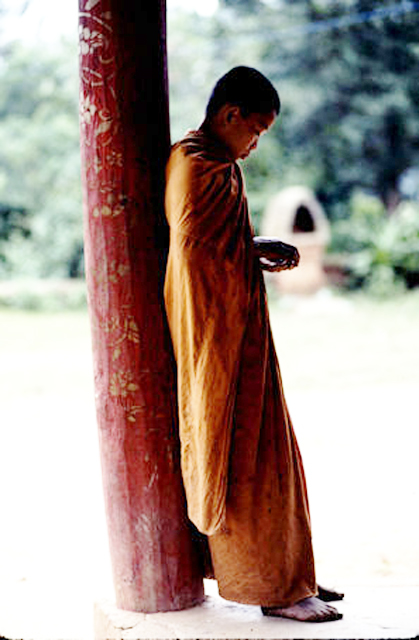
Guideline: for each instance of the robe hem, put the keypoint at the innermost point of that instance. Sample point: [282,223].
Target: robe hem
[266,602]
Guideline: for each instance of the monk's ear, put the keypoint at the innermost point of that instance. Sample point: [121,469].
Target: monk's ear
[230,113]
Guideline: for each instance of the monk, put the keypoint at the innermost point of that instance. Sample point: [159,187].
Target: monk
[241,466]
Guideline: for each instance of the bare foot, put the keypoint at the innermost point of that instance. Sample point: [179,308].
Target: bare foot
[329,595]
[307,610]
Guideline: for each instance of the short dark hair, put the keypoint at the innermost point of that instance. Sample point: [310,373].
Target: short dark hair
[246,88]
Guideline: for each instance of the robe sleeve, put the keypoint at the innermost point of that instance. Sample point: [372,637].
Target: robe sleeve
[207,299]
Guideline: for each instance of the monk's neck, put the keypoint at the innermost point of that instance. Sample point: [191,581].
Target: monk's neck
[212,131]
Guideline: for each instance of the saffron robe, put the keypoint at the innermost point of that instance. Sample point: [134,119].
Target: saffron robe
[241,465]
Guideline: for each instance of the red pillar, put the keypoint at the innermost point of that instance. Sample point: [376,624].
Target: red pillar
[125,142]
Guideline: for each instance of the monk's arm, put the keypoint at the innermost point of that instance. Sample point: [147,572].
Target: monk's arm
[275,255]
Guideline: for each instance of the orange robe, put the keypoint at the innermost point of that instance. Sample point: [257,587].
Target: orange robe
[241,465]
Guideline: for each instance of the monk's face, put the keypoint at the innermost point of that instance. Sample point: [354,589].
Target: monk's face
[242,133]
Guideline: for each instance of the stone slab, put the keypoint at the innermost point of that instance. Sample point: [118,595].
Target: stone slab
[370,613]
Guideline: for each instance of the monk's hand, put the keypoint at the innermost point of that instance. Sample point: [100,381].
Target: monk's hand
[275,255]
[278,265]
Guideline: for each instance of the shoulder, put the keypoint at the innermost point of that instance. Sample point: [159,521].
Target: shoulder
[194,170]
[184,172]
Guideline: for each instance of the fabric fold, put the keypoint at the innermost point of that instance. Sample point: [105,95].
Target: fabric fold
[207,308]
[241,466]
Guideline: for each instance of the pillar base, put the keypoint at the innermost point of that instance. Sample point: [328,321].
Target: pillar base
[370,613]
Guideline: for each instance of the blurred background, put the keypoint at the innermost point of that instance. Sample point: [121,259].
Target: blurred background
[342,167]
[347,73]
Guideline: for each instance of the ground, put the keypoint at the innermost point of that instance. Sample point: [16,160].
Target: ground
[351,378]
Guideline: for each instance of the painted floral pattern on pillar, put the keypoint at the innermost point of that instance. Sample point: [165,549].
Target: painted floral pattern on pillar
[124,141]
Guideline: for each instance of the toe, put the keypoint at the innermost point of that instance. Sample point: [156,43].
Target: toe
[329,595]
[327,613]
[331,616]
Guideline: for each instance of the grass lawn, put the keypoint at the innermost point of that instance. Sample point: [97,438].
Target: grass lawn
[336,342]
[323,342]
[351,377]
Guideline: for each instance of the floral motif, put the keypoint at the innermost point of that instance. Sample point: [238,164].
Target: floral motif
[107,203]
[114,158]
[133,412]
[122,383]
[89,40]
[120,328]
[87,109]
[90,4]
[113,206]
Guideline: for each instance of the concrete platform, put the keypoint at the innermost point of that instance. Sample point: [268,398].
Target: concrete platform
[369,613]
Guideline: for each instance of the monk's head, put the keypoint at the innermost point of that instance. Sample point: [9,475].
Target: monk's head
[242,106]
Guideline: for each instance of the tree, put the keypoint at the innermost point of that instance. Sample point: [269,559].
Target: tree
[13,221]
[351,70]
[39,160]
[242,5]
[346,72]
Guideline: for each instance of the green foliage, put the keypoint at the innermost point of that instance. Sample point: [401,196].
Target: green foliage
[352,73]
[242,5]
[12,220]
[39,160]
[347,75]
[13,227]
[43,295]
[382,251]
